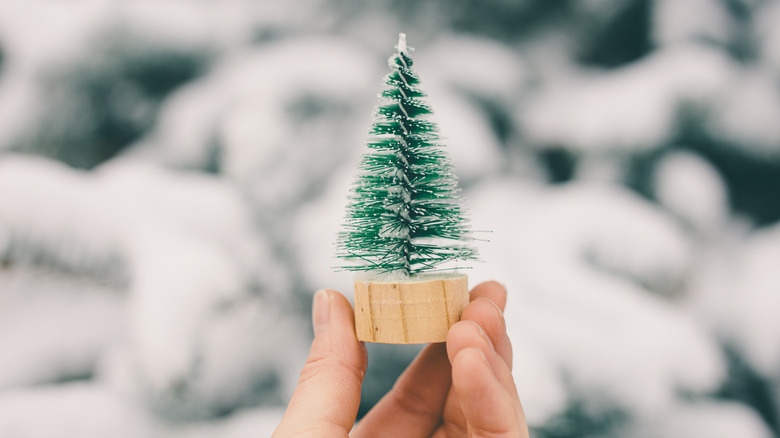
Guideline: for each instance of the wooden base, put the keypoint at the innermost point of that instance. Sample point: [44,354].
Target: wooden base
[414,311]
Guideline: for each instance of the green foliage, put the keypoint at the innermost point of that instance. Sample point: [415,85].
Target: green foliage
[404,214]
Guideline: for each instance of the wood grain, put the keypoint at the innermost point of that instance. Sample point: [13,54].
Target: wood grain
[409,312]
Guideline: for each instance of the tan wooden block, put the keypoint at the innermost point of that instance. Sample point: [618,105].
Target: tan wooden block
[414,311]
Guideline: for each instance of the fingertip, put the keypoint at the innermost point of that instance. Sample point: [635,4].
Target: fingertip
[320,311]
[499,310]
[487,314]
[467,329]
[334,295]
[492,290]
[470,361]
[340,339]
[341,308]
[494,284]
[464,335]
[473,357]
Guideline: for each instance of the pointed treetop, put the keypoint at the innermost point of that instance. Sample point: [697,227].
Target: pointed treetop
[402,43]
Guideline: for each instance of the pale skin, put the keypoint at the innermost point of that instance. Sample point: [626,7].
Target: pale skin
[461,388]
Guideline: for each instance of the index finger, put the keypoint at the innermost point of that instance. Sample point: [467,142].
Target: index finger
[414,406]
[486,309]
[492,290]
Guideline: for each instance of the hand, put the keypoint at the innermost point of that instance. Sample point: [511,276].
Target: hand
[461,388]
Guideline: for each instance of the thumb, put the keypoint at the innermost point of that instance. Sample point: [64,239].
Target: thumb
[326,401]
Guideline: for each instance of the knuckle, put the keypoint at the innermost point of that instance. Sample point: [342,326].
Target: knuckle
[318,364]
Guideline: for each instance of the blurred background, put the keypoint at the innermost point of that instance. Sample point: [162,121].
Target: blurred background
[173,174]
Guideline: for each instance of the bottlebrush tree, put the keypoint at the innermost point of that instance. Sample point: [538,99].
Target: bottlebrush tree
[405,214]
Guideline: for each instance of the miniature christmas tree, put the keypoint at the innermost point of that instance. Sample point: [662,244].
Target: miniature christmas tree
[405,215]
[405,219]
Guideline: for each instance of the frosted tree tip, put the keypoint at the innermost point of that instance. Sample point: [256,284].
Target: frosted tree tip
[402,43]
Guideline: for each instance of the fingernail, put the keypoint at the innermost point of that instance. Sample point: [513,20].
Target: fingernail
[484,335]
[320,313]
[487,369]
[485,362]
[500,312]
[482,332]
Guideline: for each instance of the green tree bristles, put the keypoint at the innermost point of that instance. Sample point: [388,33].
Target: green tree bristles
[404,214]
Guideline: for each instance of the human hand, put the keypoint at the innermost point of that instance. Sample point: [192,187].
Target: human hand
[461,388]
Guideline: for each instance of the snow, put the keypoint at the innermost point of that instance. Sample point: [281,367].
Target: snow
[18,104]
[734,293]
[54,327]
[75,410]
[755,299]
[466,133]
[85,233]
[586,224]
[72,33]
[768,35]
[598,325]
[182,239]
[630,108]
[538,379]
[693,190]
[314,241]
[66,26]
[443,62]
[95,411]
[212,26]
[251,422]
[267,112]
[747,113]
[191,328]
[174,288]
[682,21]
[401,43]
[185,288]
[105,215]
[462,94]
[150,199]
[710,419]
